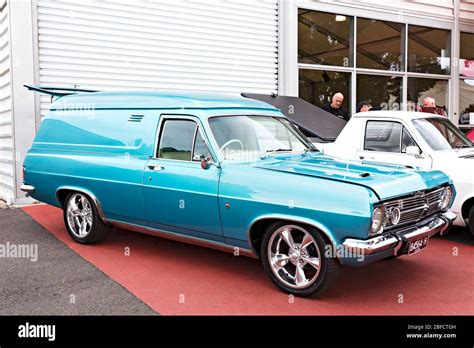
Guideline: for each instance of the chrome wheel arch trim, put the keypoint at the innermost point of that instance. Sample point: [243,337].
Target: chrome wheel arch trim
[182,238]
[290,219]
[96,202]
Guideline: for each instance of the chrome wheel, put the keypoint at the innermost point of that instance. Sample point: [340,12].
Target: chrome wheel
[294,256]
[79,215]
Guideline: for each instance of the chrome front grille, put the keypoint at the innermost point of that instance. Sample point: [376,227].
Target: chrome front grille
[414,208]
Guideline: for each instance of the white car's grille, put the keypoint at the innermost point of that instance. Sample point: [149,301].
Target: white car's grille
[413,209]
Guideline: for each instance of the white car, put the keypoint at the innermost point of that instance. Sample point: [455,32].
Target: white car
[412,139]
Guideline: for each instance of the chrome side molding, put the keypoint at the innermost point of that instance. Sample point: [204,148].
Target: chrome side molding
[182,238]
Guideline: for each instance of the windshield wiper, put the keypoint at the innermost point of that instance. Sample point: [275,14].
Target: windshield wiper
[271,152]
[461,146]
[310,150]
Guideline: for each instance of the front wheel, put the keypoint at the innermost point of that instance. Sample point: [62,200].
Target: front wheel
[294,258]
[82,220]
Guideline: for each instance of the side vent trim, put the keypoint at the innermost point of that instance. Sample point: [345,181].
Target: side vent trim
[135,118]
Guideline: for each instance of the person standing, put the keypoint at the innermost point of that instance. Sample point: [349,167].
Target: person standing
[363,106]
[336,108]
[429,105]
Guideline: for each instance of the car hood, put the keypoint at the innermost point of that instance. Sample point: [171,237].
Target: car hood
[386,181]
[466,153]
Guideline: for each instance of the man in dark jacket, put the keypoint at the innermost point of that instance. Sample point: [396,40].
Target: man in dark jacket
[336,108]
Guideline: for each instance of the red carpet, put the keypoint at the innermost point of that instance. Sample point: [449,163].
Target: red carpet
[179,279]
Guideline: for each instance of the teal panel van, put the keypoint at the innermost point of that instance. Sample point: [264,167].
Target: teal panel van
[230,173]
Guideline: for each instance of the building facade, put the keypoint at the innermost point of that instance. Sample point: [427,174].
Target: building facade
[390,54]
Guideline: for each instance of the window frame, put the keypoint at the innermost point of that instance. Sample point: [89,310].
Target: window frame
[158,139]
[292,85]
[404,128]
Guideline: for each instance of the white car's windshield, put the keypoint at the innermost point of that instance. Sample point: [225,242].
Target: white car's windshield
[441,134]
[241,137]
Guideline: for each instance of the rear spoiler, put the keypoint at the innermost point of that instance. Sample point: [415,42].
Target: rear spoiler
[57,91]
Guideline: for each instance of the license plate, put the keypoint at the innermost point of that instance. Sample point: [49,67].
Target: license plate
[417,245]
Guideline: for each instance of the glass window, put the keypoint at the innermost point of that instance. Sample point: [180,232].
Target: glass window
[466,100]
[382,92]
[318,87]
[243,136]
[407,140]
[428,50]
[383,136]
[466,85]
[324,38]
[177,139]
[201,151]
[380,45]
[441,134]
[419,89]
[466,64]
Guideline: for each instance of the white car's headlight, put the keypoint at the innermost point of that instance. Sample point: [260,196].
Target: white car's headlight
[446,197]
[378,219]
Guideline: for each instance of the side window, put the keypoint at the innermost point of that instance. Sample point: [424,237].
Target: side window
[176,142]
[407,140]
[383,136]
[200,148]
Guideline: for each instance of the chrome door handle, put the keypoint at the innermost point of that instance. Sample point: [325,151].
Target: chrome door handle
[156,168]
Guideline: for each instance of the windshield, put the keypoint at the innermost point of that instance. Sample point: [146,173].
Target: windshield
[240,137]
[441,134]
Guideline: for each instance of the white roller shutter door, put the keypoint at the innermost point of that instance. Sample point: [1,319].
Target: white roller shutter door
[6,137]
[204,45]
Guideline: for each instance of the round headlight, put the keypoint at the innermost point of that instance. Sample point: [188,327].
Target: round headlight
[446,197]
[378,217]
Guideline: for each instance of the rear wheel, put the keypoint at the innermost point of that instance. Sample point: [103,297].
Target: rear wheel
[82,220]
[294,258]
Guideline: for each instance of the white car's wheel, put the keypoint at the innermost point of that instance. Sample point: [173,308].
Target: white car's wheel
[82,220]
[294,258]
[471,220]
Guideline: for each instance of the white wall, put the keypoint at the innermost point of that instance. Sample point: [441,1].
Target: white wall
[205,45]
[466,11]
[6,132]
[435,8]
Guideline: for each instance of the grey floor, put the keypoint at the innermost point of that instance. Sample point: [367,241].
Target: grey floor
[60,282]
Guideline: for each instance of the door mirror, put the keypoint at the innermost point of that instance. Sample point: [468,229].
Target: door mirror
[205,163]
[413,150]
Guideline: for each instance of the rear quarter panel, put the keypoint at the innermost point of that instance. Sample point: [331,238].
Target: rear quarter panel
[103,153]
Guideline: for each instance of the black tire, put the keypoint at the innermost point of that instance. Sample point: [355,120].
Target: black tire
[320,281]
[98,230]
[471,220]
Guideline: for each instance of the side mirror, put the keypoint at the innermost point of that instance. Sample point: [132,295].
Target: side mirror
[413,150]
[205,163]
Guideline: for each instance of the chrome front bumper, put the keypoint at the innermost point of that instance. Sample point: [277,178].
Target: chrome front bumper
[27,188]
[396,240]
